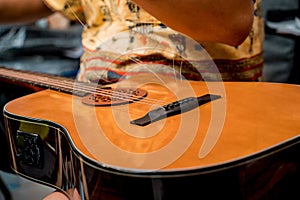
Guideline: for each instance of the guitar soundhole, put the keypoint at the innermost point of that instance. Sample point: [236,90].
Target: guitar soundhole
[110,97]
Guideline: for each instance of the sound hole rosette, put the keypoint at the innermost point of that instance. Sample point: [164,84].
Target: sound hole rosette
[113,97]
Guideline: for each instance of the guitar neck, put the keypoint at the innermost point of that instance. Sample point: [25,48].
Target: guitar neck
[38,80]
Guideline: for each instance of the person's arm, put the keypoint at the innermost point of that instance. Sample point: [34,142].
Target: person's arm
[22,11]
[225,21]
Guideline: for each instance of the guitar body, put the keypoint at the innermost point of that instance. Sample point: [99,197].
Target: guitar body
[244,145]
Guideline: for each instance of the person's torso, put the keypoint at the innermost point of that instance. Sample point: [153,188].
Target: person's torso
[121,39]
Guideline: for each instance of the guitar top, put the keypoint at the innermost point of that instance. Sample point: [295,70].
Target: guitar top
[248,119]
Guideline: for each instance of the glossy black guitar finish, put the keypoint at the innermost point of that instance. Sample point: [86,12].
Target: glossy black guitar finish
[273,174]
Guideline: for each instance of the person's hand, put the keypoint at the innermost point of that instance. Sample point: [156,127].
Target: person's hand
[73,195]
[58,21]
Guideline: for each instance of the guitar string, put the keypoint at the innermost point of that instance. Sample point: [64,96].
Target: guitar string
[84,26]
[99,91]
[69,86]
[134,59]
[83,87]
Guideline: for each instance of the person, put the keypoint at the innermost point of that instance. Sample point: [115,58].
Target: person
[230,31]
[237,53]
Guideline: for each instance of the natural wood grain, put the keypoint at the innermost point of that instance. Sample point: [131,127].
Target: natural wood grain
[257,117]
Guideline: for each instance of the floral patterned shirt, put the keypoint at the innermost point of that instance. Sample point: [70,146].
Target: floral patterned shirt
[120,40]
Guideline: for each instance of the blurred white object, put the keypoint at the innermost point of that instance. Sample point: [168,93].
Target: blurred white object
[286,27]
[297,22]
[14,38]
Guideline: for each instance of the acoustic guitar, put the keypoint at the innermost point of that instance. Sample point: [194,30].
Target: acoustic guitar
[154,137]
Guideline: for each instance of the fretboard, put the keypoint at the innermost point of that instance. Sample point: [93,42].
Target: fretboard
[42,80]
[93,93]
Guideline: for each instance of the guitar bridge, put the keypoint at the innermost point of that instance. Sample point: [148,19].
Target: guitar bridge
[174,108]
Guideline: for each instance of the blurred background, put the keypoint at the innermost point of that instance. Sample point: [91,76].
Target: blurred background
[51,45]
[281,46]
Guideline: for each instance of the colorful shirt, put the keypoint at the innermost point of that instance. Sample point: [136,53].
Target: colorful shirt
[120,40]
